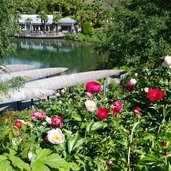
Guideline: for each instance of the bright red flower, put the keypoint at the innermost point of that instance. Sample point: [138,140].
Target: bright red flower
[137,110]
[38,115]
[165,143]
[155,94]
[57,120]
[18,124]
[116,107]
[102,113]
[93,87]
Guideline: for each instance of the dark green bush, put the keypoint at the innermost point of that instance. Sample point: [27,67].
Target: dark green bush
[87,28]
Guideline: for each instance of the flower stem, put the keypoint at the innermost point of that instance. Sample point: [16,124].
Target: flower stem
[130,142]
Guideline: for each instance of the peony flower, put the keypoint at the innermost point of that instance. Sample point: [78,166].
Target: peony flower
[38,115]
[89,94]
[102,113]
[130,86]
[155,94]
[167,61]
[137,110]
[165,143]
[57,120]
[133,81]
[18,124]
[146,89]
[91,105]
[93,87]
[117,107]
[55,136]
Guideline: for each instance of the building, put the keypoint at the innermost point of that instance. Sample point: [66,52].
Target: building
[34,23]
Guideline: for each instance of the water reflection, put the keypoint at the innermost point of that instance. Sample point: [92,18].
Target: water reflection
[55,53]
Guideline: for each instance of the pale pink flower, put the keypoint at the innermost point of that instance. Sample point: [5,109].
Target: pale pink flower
[55,136]
[38,115]
[91,105]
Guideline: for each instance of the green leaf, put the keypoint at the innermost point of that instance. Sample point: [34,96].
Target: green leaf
[76,117]
[16,161]
[98,125]
[46,158]
[2,157]
[88,126]
[79,143]
[150,158]
[72,142]
[5,166]
[39,166]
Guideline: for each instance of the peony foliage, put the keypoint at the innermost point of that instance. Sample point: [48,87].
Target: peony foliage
[110,127]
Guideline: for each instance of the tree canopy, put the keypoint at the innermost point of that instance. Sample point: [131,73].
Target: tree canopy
[138,34]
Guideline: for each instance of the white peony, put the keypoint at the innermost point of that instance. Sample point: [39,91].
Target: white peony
[55,136]
[167,62]
[91,105]
[133,81]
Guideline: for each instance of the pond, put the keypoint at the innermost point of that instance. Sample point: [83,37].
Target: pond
[44,53]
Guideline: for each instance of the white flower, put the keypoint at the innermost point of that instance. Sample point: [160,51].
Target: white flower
[91,105]
[133,81]
[167,61]
[146,89]
[55,136]
[48,120]
[136,74]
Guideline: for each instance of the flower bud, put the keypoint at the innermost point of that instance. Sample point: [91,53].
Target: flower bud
[109,162]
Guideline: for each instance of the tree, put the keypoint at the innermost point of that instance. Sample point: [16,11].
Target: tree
[7,13]
[56,17]
[28,21]
[138,34]
[44,18]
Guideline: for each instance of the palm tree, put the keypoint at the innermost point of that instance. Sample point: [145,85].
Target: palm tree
[56,17]
[28,21]
[44,18]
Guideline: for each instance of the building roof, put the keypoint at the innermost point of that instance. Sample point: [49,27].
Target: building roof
[67,22]
[35,19]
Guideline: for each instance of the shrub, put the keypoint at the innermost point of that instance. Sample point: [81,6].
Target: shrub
[87,28]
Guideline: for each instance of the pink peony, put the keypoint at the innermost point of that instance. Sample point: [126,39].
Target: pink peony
[38,115]
[116,107]
[102,113]
[93,87]
[57,120]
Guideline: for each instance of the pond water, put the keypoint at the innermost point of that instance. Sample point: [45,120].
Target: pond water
[43,53]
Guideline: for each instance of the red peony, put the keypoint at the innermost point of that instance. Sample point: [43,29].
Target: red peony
[155,94]
[102,113]
[116,107]
[38,115]
[137,110]
[57,120]
[93,87]
[130,86]
[165,143]
[18,124]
